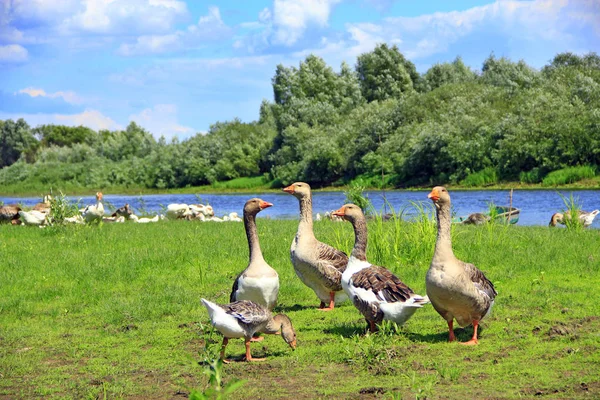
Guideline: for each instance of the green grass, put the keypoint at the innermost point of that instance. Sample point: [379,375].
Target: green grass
[569,175]
[113,311]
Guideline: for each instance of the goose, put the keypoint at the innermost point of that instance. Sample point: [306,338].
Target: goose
[124,211]
[10,214]
[242,319]
[376,292]
[258,282]
[234,217]
[45,205]
[457,290]
[143,220]
[119,219]
[175,211]
[94,212]
[33,217]
[77,219]
[585,217]
[318,265]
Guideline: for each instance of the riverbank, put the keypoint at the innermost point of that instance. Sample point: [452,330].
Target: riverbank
[86,314]
[257,185]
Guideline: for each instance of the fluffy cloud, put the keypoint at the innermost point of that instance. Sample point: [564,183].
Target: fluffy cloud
[91,118]
[209,28]
[13,53]
[68,96]
[161,120]
[291,18]
[534,22]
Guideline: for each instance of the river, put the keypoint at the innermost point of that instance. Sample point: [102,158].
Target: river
[536,205]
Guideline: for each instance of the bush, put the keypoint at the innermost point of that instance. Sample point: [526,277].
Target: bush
[569,175]
[533,176]
[485,177]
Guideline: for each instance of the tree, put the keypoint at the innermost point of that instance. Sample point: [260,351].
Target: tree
[447,73]
[16,140]
[384,73]
[505,73]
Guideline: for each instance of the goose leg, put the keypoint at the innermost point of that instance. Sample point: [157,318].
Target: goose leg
[451,337]
[257,338]
[372,327]
[473,340]
[331,303]
[225,341]
[248,355]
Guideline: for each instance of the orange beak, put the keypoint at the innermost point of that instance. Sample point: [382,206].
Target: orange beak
[265,204]
[293,344]
[434,195]
[289,189]
[339,213]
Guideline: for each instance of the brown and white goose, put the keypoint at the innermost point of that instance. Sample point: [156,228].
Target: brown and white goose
[375,291]
[585,217]
[10,214]
[258,282]
[457,290]
[318,265]
[45,205]
[242,319]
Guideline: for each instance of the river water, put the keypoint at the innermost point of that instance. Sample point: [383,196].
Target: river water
[536,206]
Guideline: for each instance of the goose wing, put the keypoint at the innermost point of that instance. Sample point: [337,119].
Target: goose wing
[483,284]
[384,284]
[248,312]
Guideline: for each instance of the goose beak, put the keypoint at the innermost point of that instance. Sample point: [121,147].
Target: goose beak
[293,344]
[434,195]
[289,189]
[339,213]
[265,204]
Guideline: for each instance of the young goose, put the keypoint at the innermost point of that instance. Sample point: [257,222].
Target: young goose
[585,217]
[242,319]
[258,282]
[124,211]
[318,265]
[375,291]
[456,289]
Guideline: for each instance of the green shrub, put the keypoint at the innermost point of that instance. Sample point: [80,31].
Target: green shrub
[533,176]
[569,175]
[485,177]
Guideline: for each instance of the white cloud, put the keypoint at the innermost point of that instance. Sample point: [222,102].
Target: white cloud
[68,96]
[13,53]
[134,16]
[209,29]
[91,118]
[535,22]
[161,120]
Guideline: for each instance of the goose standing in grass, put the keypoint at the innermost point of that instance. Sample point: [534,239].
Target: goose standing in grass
[318,265]
[242,319]
[94,212]
[258,282]
[457,290]
[376,292]
[10,214]
[585,217]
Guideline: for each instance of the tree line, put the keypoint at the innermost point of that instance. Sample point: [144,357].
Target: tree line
[508,121]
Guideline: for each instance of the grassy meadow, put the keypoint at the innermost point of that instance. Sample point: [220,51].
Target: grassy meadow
[113,311]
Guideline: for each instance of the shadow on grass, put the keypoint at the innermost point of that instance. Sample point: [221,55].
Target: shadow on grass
[295,307]
[462,335]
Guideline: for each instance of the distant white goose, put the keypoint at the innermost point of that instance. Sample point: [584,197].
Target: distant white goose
[94,212]
[144,220]
[176,211]
[33,217]
[77,219]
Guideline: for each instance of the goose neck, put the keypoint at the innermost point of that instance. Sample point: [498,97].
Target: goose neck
[306,219]
[443,244]
[360,238]
[255,252]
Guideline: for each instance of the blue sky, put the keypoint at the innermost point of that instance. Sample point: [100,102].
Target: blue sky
[175,67]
